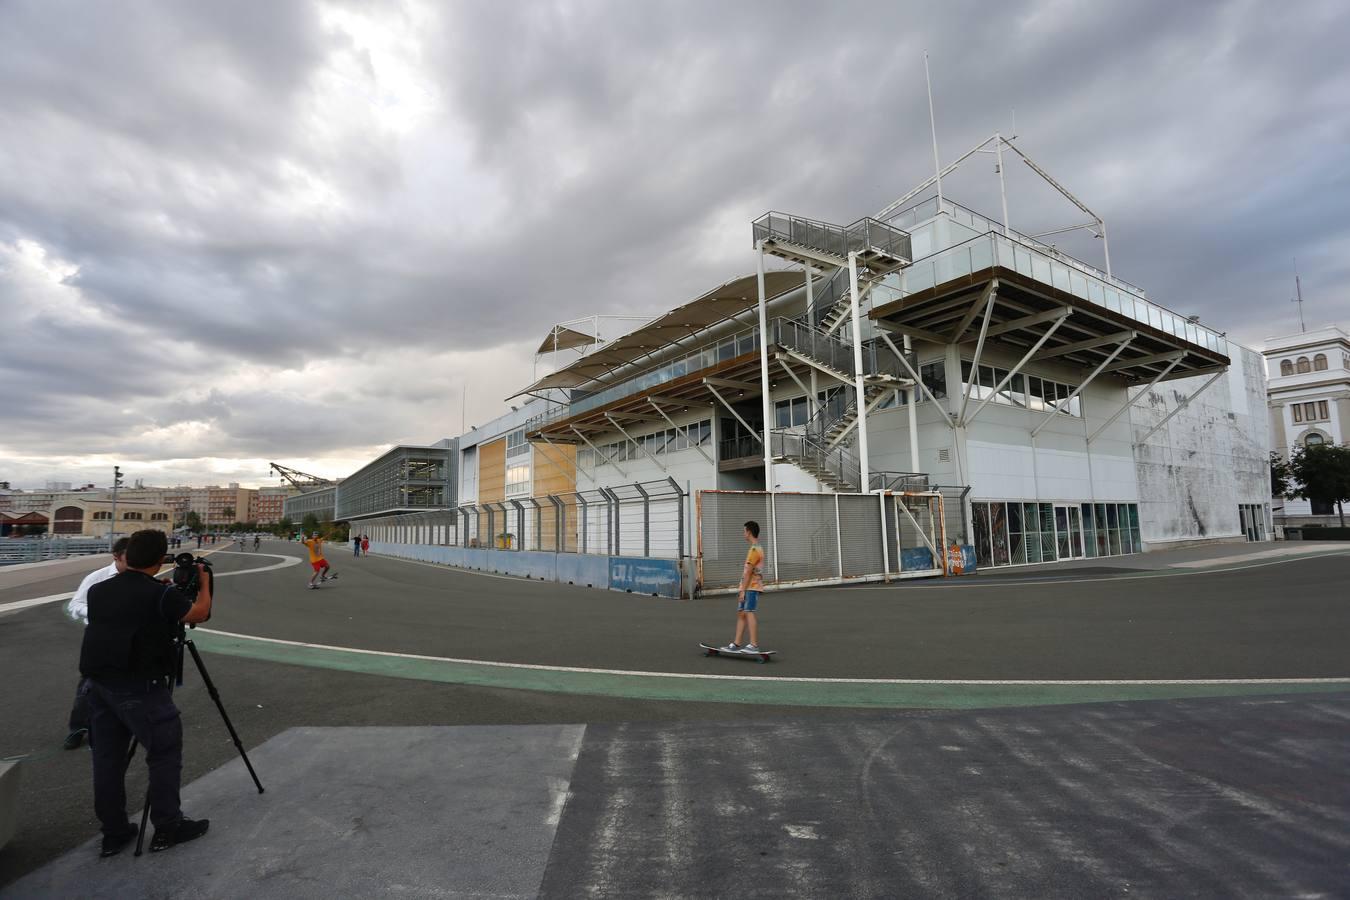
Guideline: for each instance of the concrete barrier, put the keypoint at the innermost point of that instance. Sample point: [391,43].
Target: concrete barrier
[635,574]
[587,571]
[9,800]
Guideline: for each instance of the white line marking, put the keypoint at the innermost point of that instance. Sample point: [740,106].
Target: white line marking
[53,598]
[1160,573]
[34,601]
[695,675]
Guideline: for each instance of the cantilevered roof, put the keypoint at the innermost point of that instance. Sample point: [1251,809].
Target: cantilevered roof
[718,305]
[1024,310]
[560,337]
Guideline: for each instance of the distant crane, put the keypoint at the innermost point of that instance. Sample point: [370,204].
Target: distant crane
[303,481]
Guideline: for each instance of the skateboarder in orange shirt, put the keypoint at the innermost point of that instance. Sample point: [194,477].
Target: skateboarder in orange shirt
[752,582]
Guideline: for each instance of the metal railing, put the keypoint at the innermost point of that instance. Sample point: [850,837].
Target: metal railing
[804,338]
[739,343]
[971,219]
[14,551]
[864,236]
[836,465]
[742,447]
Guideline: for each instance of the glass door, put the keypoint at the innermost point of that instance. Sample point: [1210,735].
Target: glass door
[1069,531]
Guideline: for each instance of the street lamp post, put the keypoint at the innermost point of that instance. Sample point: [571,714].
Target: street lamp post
[117,483]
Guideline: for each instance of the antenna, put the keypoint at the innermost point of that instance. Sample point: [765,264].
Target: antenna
[1298,290]
[932,124]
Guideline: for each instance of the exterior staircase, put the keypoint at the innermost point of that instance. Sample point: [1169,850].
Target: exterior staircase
[819,447]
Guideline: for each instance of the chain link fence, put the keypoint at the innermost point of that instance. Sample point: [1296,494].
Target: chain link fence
[826,538]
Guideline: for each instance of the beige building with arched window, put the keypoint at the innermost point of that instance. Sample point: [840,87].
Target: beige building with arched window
[94,518]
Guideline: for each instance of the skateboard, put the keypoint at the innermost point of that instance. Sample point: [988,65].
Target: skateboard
[762,656]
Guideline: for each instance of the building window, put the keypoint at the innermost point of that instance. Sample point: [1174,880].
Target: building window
[1286,367]
[131,517]
[1320,362]
[1031,392]
[682,437]
[787,413]
[1313,440]
[934,377]
[1323,413]
[1298,412]
[102,515]
[518,479]
[515,443]
[1304,365]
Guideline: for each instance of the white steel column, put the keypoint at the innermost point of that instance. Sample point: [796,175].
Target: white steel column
[913,413]
[1002,191]
[811,313]
[766,402]
[858,371]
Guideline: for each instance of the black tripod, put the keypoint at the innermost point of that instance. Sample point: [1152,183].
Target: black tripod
[183,641]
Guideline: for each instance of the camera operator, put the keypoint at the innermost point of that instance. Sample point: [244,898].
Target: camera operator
[129,656]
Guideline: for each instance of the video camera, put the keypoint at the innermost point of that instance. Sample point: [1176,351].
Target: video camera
[185,575]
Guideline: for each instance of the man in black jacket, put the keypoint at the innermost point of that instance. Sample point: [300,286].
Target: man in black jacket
[129,657]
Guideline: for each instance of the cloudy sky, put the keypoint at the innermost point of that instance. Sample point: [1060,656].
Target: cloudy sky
[250,231]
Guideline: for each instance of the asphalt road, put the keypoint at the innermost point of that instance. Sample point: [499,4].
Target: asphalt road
[1282,621]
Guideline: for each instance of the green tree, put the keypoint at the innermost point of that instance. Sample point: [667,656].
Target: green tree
[285,528]
[1281,479]
[309,524]
[1322,472]
[193,521]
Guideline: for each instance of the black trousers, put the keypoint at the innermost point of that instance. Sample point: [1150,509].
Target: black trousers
[119,712]
[79,710]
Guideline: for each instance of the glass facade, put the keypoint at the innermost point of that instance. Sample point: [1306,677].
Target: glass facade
[683,437]
[1023,532]
[406,478]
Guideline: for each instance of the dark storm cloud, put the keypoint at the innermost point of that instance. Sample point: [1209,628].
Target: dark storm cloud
[256,250]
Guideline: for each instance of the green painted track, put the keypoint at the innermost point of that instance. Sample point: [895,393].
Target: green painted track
[731,688]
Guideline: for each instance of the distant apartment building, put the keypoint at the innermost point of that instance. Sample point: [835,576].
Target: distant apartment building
[1308,394]
[271,502]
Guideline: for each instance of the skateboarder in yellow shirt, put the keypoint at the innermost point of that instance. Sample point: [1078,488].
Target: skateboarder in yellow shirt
[322,571]
[752,582]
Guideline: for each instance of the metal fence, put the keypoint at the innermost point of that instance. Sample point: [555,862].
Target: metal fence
[825,538]
[646,518]
[25,550]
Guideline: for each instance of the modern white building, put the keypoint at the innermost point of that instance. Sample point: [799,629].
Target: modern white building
[1309,402]
[1048,409]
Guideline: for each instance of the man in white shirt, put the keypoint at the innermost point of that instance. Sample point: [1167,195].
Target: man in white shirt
[78,608]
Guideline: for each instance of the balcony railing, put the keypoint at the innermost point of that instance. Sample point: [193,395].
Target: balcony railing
[922,212]
[865,236]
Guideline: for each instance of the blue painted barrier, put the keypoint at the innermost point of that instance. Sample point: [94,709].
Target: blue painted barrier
[915,559]
[643,575]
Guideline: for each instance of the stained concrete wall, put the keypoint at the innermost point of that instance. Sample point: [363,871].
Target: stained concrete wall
[1210,457]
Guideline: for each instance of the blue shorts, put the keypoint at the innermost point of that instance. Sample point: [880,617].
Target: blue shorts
[749,603]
